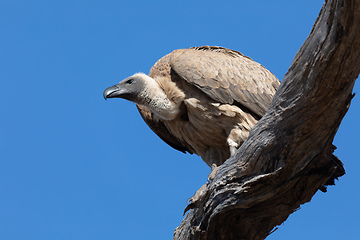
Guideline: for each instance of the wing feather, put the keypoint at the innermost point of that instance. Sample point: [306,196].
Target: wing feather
[226,76]
[160,129]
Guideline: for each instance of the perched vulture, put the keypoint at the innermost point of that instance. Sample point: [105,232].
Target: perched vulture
[202,100]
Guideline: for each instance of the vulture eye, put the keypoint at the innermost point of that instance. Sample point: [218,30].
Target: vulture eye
[129,81]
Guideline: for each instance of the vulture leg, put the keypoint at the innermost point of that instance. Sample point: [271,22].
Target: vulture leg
[236,137]
[214,158]
[232,150]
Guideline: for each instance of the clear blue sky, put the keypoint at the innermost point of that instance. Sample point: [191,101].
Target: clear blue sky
[73,166]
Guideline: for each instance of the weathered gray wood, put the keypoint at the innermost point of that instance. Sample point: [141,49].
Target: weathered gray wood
[288,155]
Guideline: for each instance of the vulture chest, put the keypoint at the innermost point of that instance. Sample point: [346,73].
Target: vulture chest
[211,128]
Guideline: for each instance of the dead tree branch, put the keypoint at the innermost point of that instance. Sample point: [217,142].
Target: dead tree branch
[288,155]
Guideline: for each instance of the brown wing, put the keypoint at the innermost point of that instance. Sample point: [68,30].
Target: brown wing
[160,129]
[226,76]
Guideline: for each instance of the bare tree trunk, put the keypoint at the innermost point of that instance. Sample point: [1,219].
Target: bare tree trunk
[288,155]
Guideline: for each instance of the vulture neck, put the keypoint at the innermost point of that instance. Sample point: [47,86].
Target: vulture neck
[155,98]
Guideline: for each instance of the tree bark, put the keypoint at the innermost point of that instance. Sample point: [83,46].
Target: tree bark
[288,156]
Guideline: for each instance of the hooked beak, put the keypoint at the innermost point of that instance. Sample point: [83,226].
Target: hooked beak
[112,92]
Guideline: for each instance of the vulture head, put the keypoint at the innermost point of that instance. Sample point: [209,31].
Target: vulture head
[129,89]
[145,91]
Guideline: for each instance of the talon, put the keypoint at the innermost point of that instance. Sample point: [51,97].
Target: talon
[214,171]
[194,201]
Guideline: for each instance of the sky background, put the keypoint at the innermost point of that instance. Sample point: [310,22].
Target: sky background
[74,166]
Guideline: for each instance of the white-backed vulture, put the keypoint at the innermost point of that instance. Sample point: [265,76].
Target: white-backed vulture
[202,100]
